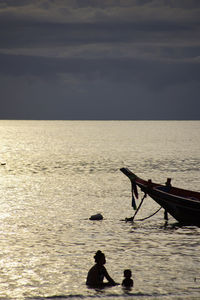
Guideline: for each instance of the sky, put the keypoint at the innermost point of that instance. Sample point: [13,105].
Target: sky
[100,59]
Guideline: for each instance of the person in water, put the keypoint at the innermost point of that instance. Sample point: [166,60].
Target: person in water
[127,281]
[97,273]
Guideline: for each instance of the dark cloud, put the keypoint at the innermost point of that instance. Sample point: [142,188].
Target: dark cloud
[152,74]
[97,100]
[10,3]
[182,4]
[100,59]
[31,34]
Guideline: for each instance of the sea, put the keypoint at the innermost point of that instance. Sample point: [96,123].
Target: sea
[54,175]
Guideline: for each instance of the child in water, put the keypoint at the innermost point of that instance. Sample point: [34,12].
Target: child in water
[128,281]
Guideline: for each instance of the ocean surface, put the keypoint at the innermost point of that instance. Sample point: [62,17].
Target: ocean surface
[55,174]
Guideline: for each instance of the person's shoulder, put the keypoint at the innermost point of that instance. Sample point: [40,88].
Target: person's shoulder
[131,281]
[103,269]
[123,281]
[92,269]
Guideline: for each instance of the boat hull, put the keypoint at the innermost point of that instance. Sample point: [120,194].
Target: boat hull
[183,210]
[183,205]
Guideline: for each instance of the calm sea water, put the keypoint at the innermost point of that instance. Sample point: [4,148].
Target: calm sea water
[56,174]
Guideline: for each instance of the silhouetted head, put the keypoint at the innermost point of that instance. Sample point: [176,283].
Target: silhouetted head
[100,258]
[168,182]
[127,273]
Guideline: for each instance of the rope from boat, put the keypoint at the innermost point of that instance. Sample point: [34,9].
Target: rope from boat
[139,205]
[150,215]
[132,218]
[143,219]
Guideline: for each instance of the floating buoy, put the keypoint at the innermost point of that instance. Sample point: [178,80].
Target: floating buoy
[96,217]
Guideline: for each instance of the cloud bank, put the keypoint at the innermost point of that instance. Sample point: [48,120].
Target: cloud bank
[99,59]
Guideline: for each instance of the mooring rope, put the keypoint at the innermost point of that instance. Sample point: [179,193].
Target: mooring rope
[139,205]
[132,218]
[150,215]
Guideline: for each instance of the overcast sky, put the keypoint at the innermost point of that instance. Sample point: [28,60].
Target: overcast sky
[100,59]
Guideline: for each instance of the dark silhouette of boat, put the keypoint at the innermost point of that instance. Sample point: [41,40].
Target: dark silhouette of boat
[183,205]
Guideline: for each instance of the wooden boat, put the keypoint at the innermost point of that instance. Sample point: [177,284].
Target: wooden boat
[183,205]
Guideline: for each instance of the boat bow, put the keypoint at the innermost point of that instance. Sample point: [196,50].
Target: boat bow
[183,205]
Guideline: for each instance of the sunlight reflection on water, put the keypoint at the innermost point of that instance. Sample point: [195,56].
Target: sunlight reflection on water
[58,173]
